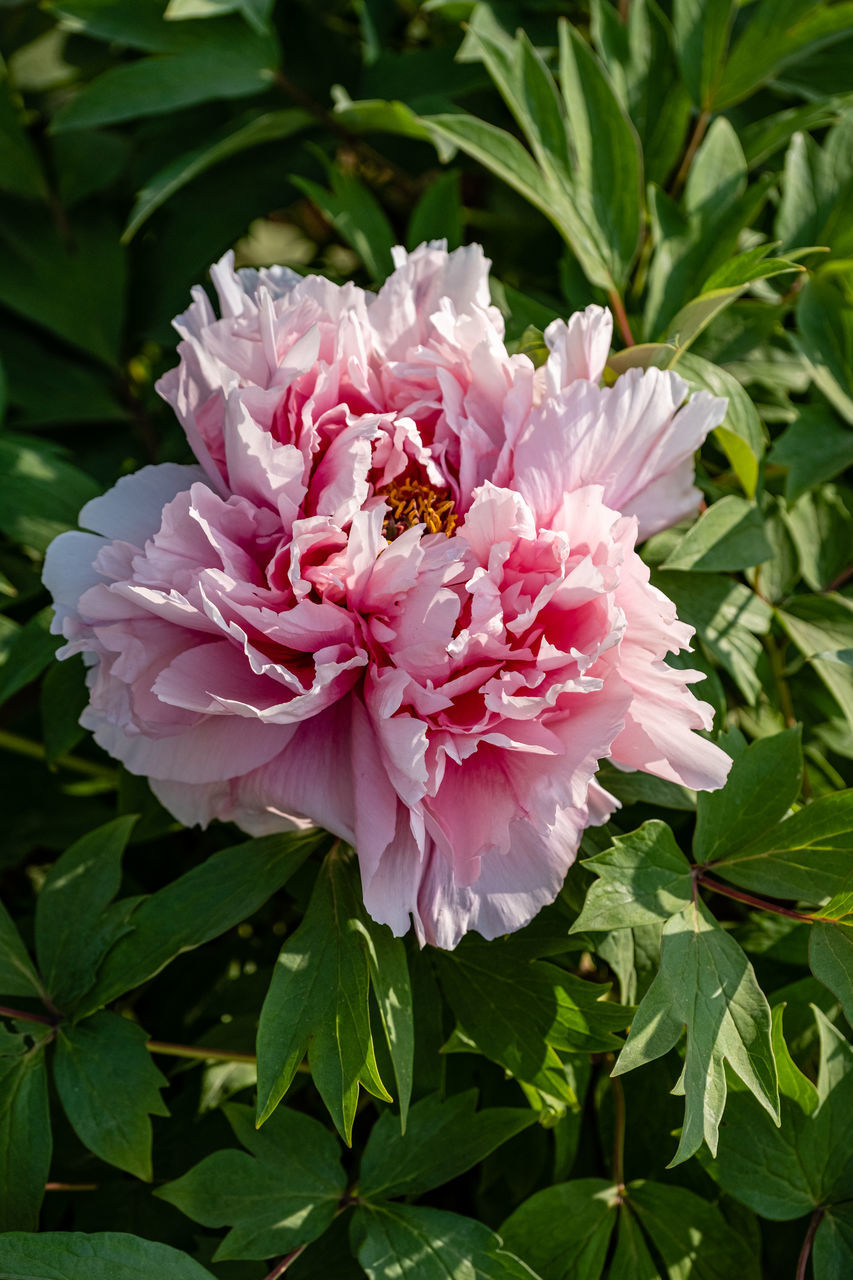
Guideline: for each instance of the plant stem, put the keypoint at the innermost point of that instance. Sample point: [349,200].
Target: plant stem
[803,1260]
[618,1131]
[23,1016]
[282,1266]
[72,1186]
[761,903]
[624,9]
[35,751]
[692,147]
[199,1052]
[618,308]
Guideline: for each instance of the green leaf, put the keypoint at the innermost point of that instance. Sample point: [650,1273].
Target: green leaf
[443,1139]
[564,1231]
[825,334]
[79,887]
[20,170]
[30,651]
[831,954]
[763,137]
[25,1138]
[397,1240]
[741,435]
[106,1255]
[18,976]
[73,288]
[727,616]
[392,989]
[806,857]
[438,215]
[821,525]
[763,783]
[198,906]
[792,1083]
[777,34]
[608,163]
[318,1003]
[832,1252]
[356,213]
[226,60]
[109,1086]
[523,1015]
[62,699]
[271,127]
[256,12]
[816,190]
[706,985]
[691,1235]
[135,23]
[40,494]
[632,1260]
[729,535]
[642,66]
[821,624]
[814,448]
[284,1194]
[785,1173]
[644,878]
[701,30]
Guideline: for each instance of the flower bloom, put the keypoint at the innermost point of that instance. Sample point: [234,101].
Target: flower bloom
[399,596]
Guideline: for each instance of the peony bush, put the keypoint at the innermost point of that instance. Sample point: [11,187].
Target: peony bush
[430,855]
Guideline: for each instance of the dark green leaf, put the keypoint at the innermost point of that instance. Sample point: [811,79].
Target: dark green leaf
[30,651]
[256,12]
[438,214]
[521,1015]
[632,1260]
[356,213]
[822,528]
[109,1086]
[79,887]
[701,36]
[396,1240]
[564,1231]
[106,1255]
[806,857]
[282,1195]
[691,1235]
[792,1083]
[443,1140]
[832,1252]
[271,127]
[644,878]
[778,33]
[831,955]
[318,1003]
[741,435]
[729,535]
[25,1138]
[763,783]
[707,985]
[18,976]
[825,323]
[727,616]
[20,170]
[392,988]
[821,624]
[40,495]
[199,906]
[815,447]
[230,61]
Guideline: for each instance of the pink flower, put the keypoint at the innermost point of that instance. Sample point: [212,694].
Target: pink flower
[399,597]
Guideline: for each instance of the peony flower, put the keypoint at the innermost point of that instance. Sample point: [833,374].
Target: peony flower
[399,596]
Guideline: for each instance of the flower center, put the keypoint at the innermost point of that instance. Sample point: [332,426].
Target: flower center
[412,502]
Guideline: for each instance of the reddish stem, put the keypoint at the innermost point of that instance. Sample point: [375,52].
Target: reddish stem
[71,1186]
[692,147]
[760,903]
[26,1017]
[198,1052]
[803,1260]
[282,1266]
[618,308]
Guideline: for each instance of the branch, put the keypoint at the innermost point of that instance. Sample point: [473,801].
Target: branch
[762,904]
[282,1266]
[802,1262]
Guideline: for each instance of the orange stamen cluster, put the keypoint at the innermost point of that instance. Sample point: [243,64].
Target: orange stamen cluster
[411,502]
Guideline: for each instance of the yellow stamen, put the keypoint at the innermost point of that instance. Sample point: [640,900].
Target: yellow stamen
[411,503]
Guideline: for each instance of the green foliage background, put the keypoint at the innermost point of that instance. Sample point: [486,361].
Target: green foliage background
[479,1115]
